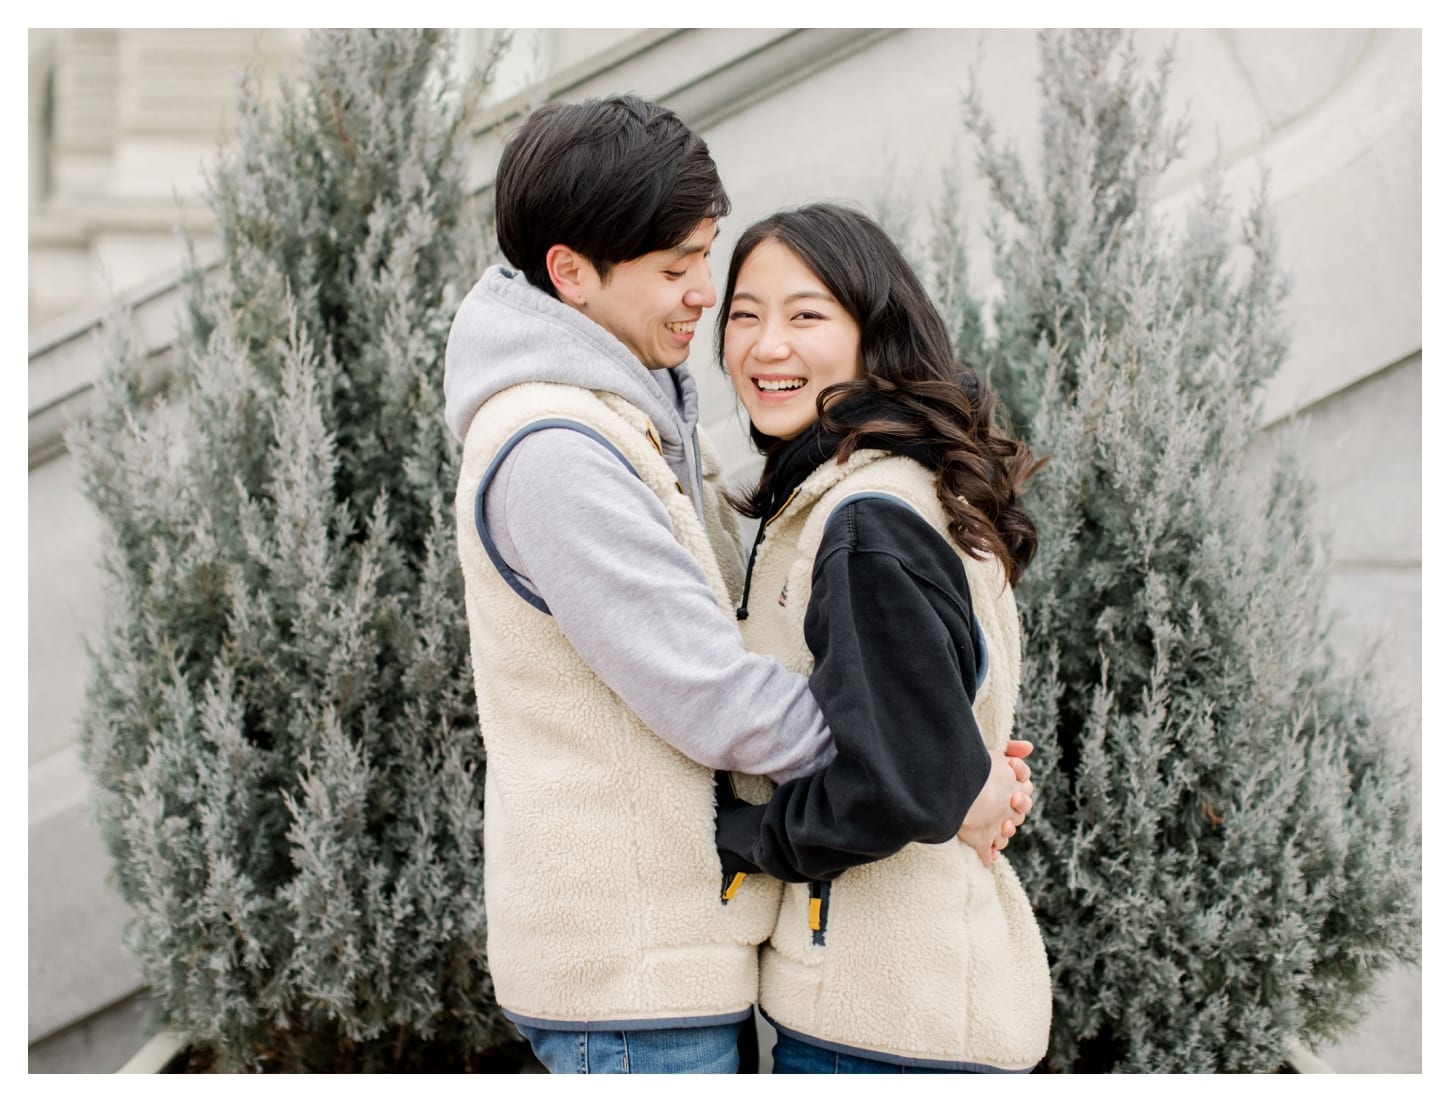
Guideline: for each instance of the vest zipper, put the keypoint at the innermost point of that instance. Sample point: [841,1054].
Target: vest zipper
[725,794]
[743,612]
[820,906]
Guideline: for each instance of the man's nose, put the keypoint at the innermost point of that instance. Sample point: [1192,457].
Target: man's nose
[701,294]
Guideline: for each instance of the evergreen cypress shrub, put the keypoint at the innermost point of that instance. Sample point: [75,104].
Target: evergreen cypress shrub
[1223,853]
[280,724]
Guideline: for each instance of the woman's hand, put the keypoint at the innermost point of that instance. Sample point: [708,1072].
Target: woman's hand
[1002,805]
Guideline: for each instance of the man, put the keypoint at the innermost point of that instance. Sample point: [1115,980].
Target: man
[600,564]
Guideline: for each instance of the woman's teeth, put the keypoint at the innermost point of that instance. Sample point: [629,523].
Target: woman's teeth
[680,326]
[780,384]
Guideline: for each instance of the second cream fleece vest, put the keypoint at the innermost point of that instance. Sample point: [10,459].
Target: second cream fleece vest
[926,957]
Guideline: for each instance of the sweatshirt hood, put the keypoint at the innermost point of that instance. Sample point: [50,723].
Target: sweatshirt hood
[509,332]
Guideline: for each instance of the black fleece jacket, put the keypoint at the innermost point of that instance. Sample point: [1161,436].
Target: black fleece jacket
[889,624]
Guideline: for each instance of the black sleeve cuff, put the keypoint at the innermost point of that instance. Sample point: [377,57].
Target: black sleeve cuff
[736,829]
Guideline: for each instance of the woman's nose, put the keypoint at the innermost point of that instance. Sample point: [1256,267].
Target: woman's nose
[772,344]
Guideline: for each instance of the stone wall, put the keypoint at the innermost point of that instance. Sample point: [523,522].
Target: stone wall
[1334,116]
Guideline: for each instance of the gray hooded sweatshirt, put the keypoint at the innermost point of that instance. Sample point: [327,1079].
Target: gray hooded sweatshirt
[583,533]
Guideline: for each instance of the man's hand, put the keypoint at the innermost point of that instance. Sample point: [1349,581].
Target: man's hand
[1002,805]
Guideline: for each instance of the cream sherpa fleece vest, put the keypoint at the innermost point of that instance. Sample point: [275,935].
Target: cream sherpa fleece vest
[602,883]
[925,957]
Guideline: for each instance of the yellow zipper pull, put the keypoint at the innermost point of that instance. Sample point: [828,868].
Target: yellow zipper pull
[820,892]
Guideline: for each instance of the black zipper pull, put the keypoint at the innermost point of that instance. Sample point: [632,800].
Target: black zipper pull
[743,612]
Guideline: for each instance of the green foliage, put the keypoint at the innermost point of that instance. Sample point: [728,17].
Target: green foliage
[280,724]
[1221,856]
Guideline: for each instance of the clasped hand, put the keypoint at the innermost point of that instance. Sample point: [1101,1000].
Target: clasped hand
[1002,805]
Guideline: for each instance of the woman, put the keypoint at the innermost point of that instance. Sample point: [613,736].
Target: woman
[890,536]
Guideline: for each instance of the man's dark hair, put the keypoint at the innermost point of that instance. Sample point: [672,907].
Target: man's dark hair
[612,179]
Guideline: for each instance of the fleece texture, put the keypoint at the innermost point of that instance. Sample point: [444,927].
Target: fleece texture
[925,957]
[602,883]
[634,603]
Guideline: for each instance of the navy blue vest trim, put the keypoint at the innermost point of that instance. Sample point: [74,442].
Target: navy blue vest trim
[888,1057]
[508,574]
[591,1025]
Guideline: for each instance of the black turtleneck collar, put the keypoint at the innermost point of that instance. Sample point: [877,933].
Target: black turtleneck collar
[799,456]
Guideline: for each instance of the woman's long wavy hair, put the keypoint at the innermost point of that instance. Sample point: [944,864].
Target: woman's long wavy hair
[936,401]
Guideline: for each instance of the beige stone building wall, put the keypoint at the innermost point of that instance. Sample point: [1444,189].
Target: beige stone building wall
[121,124]
[119,119]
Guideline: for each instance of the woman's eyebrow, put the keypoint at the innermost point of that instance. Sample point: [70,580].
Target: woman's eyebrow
[824,296]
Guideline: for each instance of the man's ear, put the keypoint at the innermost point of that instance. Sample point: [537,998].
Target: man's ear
[572,275]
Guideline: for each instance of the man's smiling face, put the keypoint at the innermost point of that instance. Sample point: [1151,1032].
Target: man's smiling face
[653,302]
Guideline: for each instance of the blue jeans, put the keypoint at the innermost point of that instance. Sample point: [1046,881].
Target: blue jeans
[793,1057]
[707,1049]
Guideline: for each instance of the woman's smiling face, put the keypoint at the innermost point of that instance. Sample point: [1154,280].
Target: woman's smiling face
[786,340]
